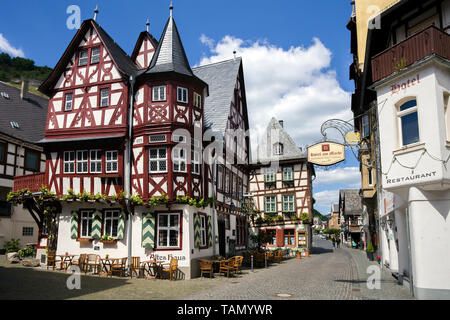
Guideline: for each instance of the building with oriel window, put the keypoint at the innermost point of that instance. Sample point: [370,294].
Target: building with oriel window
[403,86]
[281,188]
[137,150]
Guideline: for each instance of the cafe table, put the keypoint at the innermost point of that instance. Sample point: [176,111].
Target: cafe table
[65,258]
[107,262]
[154,265]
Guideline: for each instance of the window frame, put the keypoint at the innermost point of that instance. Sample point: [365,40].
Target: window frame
[112,161]
[95,161]
[100,97]
[274,204]
[111,218]
[365,126]
[86,58]
[71,101]
[89,219]
[195,162]
[289,203]
[78,162]
[183,90]
[178,229]
[27,234]
[37,162]
[158,160]
[291,173]
[403,113]
[92,55]
[179,160]
[154,99]
[203,230]
[4,152]
[219,181]
[291,237]
[278,149]
[69,162]
[273,241]
[197,100]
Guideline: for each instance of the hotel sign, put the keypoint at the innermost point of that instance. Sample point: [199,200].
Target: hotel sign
[326,153]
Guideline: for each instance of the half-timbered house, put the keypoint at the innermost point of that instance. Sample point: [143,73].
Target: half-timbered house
[281,187]
[22,121]
[128,133]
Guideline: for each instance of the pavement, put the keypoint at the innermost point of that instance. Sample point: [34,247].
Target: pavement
[328,274]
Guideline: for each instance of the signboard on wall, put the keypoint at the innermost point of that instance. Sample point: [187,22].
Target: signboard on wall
[326,153]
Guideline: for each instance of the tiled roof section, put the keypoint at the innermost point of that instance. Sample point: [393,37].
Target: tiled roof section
[274,134]
[221,79]
[29,113]
[170,55]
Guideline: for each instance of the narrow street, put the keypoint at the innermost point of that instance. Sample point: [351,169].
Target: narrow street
[327,274]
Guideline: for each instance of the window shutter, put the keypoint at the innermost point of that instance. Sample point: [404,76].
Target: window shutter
[210,239]
[196,230]
[96,231]
[121,226]
[148,229]
[74,224]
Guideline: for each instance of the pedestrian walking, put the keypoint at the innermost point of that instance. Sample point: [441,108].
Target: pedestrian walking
[338,242]
[333,241]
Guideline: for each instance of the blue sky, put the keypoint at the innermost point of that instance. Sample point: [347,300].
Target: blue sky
[304,44]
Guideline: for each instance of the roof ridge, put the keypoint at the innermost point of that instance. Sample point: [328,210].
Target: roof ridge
[219,62]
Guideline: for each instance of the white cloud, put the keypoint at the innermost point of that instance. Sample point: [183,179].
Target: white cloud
[349,176]
[325,199]
[5,46]
[294,85]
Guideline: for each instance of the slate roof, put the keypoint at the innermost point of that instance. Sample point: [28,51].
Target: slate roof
[30,114]
[170,55]
[221,79]
[275,133]
[351,201]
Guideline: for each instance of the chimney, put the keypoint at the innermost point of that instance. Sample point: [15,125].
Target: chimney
[281,122]
[24,89]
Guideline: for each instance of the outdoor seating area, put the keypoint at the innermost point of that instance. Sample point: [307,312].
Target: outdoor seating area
[262,258]
[95,264]
[221,266]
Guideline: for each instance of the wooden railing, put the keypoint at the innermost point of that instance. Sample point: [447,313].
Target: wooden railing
[414,48]
[33,182]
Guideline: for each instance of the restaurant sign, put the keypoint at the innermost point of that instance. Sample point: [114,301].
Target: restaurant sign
[326,153]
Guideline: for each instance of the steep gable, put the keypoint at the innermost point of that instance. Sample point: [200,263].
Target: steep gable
[144,50]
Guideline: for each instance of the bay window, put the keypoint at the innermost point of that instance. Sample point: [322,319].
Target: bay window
[408,122]
[159,93]
[179,159]
[158,160]
[182,95]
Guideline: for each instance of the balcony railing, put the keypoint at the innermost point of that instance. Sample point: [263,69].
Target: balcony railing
[33,182]
[414,48]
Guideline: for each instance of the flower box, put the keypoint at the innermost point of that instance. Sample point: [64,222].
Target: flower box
[85,240]
[109,241]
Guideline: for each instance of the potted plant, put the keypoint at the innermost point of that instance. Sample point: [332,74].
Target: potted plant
[306,253]
[370,250]
[298,254]
[107,239]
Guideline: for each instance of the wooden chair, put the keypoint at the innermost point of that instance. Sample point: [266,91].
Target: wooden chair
[136,265]
[269,257]
[226,266]
[237,263]
[80,262]
[259,259]
[118,265]
[279,256]
[171,268]
[206,266]
[92,261]
[51,259]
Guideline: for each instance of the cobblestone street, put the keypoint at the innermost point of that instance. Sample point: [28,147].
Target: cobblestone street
[326,274]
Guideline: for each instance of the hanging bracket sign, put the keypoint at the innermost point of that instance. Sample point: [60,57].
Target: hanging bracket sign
[326,153]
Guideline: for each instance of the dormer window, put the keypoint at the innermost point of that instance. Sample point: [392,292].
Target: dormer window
[83,58]
[278,149]
[182,95]
[95,55]
[104,97]
[68,102]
